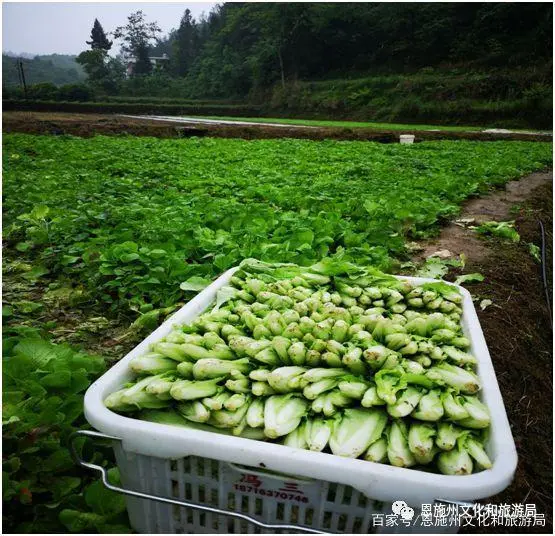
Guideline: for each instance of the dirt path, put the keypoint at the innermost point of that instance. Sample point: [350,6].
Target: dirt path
[457,238]
[516,327]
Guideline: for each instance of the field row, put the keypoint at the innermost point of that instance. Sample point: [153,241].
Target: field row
[126,220]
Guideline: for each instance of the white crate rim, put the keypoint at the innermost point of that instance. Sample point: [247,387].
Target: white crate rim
[376,481]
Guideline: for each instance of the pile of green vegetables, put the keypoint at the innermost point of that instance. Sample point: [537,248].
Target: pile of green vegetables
[334,356]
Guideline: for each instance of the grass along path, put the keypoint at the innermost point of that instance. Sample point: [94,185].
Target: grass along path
[335,124]
[354,124]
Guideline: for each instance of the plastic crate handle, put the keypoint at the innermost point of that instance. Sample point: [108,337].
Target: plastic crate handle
[104,476]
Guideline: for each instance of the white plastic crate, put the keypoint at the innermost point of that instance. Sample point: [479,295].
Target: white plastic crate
[321,505]
[231,473]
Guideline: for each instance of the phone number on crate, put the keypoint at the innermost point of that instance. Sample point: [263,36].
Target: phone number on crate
[271,493]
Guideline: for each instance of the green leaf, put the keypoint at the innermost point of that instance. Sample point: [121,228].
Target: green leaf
[57,461]
[40,352]
[27,307]
[13,419]
[129,257]
[104,501]
[301,239]
[223,295]
[57,380]
[79,381]
[12,397]
[35,273]
[147,321]
[63,486]
[502,229]
[333,267]
[371,207]
[534,251]
[93,364]
[24,246]
[441,287]
[76,521]
[125,247]
[433,268]
[72,408]
[158,253]
[32,388]
[69,259]
[469,278]
[223,262]
[40,212]
[11,465]
[195,284]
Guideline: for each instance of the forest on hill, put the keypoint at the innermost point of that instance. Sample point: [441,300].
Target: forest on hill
[469,62]
[242,47]
[57,69]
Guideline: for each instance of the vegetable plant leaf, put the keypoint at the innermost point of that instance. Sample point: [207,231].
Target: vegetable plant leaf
[469,278]
[434,268]
[195,284]
[104,501]
[502,229]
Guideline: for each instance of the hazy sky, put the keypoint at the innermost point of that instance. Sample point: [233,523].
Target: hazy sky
[63,28]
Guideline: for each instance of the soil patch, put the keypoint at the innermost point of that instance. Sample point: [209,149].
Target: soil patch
[85,125]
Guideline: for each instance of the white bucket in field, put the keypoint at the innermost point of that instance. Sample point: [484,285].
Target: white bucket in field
[406,138]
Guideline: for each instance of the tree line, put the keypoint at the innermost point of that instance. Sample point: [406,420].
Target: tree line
[239,48]
[245,50]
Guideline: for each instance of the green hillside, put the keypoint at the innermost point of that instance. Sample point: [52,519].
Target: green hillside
[57,69]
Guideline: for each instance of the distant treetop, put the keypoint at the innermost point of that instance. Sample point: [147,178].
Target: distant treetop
[98,38]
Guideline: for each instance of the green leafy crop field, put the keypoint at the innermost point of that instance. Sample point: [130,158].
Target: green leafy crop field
[114,230]
[132,218]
